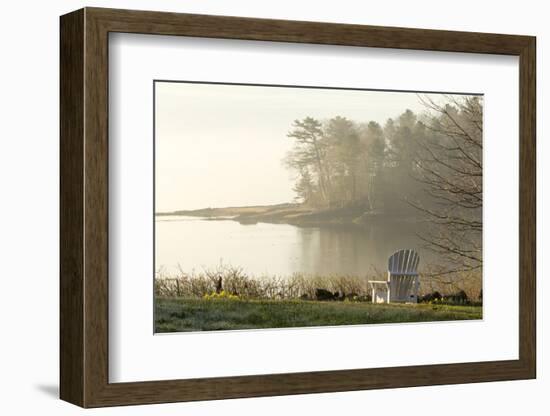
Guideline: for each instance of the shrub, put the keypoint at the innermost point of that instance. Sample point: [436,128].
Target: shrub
[223,295]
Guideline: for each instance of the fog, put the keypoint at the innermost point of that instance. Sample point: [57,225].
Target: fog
[223,145]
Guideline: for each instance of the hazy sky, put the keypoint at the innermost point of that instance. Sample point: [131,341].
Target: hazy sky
[223,145]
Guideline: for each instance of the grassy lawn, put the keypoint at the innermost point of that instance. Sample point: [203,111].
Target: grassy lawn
[179,314]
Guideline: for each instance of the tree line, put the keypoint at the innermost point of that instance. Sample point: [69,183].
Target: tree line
[425,165]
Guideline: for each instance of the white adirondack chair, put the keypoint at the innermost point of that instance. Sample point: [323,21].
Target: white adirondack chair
[403,281]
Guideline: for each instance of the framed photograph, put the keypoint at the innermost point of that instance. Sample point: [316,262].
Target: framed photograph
[255,207]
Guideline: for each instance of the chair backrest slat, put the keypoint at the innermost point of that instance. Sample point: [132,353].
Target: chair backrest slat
[403,262]
[407,265]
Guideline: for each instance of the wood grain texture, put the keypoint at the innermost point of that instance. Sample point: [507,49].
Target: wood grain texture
[96,208]
[71,213]
[527,208]
[84,207]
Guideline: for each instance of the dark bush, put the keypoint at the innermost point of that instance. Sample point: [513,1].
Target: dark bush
[323,294]
[339,295]
[430,297]
[460,298]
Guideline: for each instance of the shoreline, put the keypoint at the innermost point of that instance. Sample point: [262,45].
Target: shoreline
[292,214]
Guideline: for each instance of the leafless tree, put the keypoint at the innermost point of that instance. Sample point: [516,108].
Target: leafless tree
[449,165]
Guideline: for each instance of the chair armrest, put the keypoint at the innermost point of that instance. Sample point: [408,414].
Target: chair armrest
[380,282]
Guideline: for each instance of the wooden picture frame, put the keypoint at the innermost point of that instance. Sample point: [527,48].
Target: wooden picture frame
[84,207]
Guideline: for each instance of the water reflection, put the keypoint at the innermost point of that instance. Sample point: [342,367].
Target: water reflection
[280,249]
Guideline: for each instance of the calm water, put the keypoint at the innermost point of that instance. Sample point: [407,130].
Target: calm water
[278,249]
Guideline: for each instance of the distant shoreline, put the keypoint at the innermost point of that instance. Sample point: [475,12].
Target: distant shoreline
[289,213]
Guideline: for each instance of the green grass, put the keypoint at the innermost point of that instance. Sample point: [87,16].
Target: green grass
[182,315]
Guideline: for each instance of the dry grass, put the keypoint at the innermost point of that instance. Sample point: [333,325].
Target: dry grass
[236,281]
[434,279]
